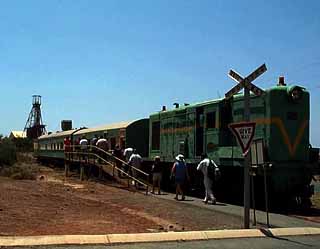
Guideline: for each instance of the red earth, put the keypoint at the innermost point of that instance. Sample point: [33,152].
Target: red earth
[53,205]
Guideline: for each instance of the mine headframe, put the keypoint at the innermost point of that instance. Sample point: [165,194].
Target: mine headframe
[34,127]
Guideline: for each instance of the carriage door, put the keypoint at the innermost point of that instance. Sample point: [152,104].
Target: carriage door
[199,131]
[226,136]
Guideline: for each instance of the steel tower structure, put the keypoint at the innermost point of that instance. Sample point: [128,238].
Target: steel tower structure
[34,126]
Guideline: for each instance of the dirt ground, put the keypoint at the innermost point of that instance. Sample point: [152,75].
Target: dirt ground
[51,205]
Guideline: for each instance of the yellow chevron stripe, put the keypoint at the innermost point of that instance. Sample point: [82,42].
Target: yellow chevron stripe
[292,147]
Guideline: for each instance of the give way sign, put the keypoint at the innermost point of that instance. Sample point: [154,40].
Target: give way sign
[244,132]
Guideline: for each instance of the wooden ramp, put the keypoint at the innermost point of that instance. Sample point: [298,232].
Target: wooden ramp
[108,166]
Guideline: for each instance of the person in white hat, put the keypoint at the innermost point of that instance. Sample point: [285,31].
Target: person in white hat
[180,172]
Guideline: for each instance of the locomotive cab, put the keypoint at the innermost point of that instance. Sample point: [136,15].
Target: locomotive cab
[287,141]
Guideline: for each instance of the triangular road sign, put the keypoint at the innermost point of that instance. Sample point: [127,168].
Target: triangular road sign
[244,132]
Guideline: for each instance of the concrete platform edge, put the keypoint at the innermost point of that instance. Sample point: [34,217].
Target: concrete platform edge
[111,239]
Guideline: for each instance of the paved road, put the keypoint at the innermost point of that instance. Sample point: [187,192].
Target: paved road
[291,242]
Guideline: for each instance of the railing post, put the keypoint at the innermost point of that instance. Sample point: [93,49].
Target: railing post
[88,166]
[66,168]
[81,171]
[100,172]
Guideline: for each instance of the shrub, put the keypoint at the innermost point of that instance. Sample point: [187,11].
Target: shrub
[23,144]
[8,155]
[20,172]
[25,157]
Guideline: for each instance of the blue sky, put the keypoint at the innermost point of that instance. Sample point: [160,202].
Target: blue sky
[98,62]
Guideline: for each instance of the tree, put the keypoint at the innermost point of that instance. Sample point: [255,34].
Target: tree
[8,155]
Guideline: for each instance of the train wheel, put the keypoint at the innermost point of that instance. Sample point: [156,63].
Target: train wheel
[305,204]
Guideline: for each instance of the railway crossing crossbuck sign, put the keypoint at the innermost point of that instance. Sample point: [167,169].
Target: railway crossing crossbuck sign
[244,132]
[246,82]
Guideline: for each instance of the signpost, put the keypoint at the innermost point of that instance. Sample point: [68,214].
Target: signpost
[246,83]
[257,160]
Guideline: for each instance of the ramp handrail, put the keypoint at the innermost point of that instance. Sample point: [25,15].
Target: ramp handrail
[110,164]
[112,156]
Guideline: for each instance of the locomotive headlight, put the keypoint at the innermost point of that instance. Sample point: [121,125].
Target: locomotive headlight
[295,93]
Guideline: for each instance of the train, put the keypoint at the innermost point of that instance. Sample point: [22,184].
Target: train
[282,117]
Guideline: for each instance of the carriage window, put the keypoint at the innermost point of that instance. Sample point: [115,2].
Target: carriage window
[182,147]
[211,120]
[155,143]
[200,121]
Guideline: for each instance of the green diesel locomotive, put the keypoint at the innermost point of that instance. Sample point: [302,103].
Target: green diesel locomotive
[281,115]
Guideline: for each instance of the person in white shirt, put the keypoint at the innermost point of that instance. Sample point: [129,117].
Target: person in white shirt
[83,146]
[83,143]
[203,166]
[102,144]
[127,153]
[135,161]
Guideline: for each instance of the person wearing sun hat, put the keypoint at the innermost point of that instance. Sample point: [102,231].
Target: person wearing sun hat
[180,172]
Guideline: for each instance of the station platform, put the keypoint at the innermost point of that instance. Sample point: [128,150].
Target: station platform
[275,220]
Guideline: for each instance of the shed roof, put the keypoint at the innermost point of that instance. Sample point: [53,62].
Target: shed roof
[17,134]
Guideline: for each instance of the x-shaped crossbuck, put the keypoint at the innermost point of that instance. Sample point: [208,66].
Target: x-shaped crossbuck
[246,82]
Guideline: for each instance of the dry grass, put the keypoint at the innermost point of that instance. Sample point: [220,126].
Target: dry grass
[20,171]
[25,157]
[24,169]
